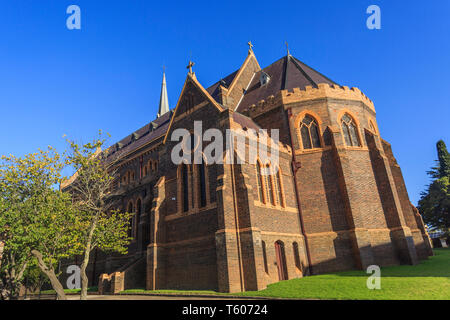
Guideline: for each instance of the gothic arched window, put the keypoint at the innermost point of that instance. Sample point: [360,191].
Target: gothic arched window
[309,131]
[202,184]
[350,131]
[185,186]
[296,255]
[266,269]
[130,227]
[270,190]
[145,171]
[279,188]
[259,182]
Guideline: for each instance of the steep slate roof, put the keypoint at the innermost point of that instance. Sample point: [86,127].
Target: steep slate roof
[144,135]
[285,73]
[244,121]
[226,82]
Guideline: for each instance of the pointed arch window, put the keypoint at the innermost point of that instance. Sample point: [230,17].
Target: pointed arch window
[266,267]
[130,176]
[309,131]
[202,183]
[270,189]
[296,255]
[259,182]
[185,186]
[279,188]
[350,131]
[130,227]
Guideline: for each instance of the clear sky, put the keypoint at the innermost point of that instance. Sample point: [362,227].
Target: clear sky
[55,81]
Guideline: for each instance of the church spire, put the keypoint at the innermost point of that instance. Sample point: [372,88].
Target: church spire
[163,100]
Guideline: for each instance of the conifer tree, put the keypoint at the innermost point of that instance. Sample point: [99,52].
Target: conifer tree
[434,204]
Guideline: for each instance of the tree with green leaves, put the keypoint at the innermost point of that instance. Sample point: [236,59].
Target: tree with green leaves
[102,225]
[434,204]
[36,220]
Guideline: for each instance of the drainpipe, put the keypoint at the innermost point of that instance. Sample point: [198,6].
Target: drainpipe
[295,167]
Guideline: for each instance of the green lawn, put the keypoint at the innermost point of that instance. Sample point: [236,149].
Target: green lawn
[429,280]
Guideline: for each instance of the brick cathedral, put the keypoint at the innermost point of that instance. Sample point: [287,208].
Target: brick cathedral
[337,202]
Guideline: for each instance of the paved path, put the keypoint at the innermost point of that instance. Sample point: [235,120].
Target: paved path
[145,297]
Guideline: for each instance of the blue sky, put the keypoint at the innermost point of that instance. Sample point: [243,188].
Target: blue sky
[55,81]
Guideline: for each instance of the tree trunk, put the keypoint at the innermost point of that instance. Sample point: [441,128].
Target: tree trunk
[84,278]
[87,251]
[50,273]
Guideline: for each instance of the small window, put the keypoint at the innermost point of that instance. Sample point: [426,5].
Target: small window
[185,187]
[309,131]
[266,267]
[350,131]
[202,183]
[264,78]
[131,226]
[296,255]
[269,179]
[145,171]
[259,182]
[280,192]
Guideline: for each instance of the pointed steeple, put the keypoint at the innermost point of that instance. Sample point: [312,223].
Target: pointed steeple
[163,100]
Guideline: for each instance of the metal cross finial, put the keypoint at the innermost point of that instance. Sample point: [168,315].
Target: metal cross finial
[190,65]
[250,46]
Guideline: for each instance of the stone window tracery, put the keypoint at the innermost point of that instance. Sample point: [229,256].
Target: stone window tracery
[350,131]
[309,131]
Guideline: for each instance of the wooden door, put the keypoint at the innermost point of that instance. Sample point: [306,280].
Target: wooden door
[281,260]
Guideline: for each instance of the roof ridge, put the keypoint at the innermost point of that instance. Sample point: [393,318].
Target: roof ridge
[284,81]
[304,72]
[142,127]
[299,61]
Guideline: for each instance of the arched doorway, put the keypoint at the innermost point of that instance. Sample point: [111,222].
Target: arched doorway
[281,260]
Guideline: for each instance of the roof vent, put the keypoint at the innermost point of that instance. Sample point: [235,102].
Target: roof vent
[153,126]
[134,136]
[264,78]
[223,83]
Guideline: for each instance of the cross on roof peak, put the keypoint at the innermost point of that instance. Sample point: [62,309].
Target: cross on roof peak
[250,46]
[190,65]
